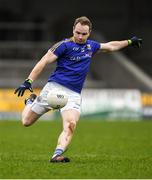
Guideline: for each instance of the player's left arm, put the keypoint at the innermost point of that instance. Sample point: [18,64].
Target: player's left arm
[117,45]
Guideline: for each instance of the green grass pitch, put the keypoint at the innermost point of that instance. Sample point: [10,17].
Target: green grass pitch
[99,149]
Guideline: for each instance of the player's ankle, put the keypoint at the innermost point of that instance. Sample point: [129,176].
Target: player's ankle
[57,152]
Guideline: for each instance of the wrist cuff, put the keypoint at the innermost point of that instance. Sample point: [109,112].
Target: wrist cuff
[29,80]
[129,42]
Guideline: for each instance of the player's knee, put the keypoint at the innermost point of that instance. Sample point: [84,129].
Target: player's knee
[29,119]
[26,122]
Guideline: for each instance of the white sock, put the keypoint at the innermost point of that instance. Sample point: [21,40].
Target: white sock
[57,152]
[29,102]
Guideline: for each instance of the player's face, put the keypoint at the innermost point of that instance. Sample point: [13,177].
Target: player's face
[81,33]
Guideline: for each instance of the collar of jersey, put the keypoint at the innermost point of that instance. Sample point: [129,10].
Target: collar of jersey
[72,39]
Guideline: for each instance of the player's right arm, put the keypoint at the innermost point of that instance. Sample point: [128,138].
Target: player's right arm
[48,58]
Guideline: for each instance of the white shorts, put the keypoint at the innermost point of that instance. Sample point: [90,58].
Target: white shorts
[40,105]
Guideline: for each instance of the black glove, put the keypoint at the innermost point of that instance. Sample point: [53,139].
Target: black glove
[26,85]
[135,42]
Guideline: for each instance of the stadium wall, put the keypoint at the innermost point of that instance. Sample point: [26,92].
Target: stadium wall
[96,103]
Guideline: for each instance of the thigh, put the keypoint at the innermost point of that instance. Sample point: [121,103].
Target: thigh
[32,115]
[29,117]
[70,116]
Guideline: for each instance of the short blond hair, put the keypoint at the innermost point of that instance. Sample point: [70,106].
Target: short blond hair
[83,20]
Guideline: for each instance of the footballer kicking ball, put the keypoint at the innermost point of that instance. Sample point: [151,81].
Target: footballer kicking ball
[57,99]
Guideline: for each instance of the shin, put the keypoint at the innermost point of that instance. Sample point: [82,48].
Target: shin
[70,119]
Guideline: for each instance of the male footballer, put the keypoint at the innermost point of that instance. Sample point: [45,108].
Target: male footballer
[73,56]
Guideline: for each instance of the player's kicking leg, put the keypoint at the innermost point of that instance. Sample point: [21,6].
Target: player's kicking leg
[29,116]
[70,119]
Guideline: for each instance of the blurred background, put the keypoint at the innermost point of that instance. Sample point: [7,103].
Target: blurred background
[119,85]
